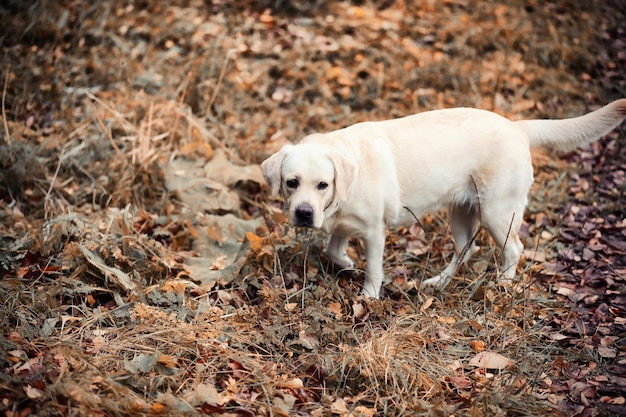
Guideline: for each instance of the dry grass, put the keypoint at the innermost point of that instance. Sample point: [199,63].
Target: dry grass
[119,92]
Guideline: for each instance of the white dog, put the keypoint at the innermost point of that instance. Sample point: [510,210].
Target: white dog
[359,180]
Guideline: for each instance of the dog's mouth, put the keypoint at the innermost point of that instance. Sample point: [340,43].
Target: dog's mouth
[303,216]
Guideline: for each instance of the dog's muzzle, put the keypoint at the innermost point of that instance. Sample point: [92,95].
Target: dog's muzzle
[304,216]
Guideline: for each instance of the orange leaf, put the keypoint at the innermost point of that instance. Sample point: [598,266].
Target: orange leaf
[158,408]
[256,242]
[477,345]
[335,308]
[168,361]
[174,286]
[192,230]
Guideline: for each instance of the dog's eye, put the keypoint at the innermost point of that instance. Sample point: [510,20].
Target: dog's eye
[322,185]
[292,183]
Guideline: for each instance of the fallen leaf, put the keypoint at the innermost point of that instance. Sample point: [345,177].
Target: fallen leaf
[335,308]
[607,352]
[308,341]
[447,320]
[168,361]
[490,360]
[362,411]
[16,337]
[207,393]
[284,404]
[141,363]
[33,393]
[175,286]
[114,274]
[427,304]
[616,400]
[477,345]
[256,242]
[359,311]
[339,406]
[294,383]
[158,408]
[564,291]
[459,381]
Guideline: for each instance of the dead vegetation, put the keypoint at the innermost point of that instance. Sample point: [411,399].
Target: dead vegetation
[145,271]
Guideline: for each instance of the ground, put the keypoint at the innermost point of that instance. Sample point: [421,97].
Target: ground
[146,271]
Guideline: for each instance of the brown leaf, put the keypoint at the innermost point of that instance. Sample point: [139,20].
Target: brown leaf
[118,276]
[607,352]
[339,406]
[335,308]
[207,393]
[283,405]
[490,360]
[359,311]
[459,381]
[308,341]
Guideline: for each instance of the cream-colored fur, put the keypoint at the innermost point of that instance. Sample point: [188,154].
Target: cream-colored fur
[359,180]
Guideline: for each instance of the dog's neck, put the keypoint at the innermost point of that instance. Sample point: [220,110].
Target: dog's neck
[331,209]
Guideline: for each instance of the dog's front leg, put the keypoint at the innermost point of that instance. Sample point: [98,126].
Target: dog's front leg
[374,252]
[336,251]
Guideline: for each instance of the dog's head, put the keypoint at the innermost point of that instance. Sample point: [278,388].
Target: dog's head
[313,178]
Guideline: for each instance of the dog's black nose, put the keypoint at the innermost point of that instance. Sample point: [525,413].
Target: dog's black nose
[304,215]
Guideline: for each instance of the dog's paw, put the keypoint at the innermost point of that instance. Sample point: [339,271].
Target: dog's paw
[346,263]
[436,283]
[342,261]
[370,290]
[507,282]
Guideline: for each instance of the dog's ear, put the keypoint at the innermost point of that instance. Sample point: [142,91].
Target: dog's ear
[271,169]
[345,168]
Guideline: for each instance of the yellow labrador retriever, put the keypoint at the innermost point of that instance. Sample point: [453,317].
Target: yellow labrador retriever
[359,180]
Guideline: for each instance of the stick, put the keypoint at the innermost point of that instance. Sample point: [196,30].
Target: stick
[7,135]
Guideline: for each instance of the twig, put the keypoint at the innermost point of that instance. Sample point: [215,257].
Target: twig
[304,266]
[54,177]
[144,142]
[480,210]
[181,101]
[278,267]
[220,78]
[508,233]
[108,135]
[267,398]
[103,126]
[194,123]
[7,135]
[415,217]
[475,234]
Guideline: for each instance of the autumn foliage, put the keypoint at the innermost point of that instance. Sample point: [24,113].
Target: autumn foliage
[146,271]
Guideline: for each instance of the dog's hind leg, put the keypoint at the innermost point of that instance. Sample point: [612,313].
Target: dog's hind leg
[463,220]
[502,212]
[505,231]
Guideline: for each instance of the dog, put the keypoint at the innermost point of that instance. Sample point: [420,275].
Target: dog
[358,180]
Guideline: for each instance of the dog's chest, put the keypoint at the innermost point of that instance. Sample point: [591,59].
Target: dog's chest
[344,224]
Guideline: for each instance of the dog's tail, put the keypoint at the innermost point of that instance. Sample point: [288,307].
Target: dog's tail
[570,133]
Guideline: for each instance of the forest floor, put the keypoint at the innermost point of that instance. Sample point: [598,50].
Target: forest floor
[146,271]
